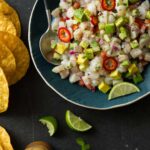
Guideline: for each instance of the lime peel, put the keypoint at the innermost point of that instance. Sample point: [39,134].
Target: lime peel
[51,124]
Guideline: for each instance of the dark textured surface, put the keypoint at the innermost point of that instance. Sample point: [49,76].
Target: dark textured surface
[125,128]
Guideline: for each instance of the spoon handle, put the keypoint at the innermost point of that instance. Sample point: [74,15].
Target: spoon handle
[48,13]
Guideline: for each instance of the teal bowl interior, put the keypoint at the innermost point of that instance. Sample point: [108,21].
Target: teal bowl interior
[72,92]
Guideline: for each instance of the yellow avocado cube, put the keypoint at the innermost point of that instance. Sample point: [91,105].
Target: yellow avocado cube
[115,75]
[133,69]
[104,87]
[61,48]
[82,59]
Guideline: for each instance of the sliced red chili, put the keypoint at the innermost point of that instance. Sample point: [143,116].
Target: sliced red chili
[110,64]
[94,20]
[108,5]
[64,35]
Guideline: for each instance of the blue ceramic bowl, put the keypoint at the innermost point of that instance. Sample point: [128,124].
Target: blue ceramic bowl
[72,92]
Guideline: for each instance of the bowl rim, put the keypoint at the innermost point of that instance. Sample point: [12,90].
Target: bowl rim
[49,85]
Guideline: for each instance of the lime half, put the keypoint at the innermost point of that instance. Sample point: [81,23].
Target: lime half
[51,124]
[76,123]
[122,89]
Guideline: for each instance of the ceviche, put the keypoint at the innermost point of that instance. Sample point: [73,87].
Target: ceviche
[101,42]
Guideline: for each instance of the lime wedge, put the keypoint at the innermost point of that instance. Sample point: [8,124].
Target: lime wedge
[51,124]
[76,123]
[122,89]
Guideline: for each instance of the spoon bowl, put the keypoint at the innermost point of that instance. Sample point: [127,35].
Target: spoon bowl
[45,40]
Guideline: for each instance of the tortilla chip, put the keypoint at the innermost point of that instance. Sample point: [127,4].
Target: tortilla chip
[11,13]
[5,142]
[20,53]
[4,92]
[6,25]
[7,61]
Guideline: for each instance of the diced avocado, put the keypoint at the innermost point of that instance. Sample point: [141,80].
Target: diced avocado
[87,13]
[83,67]
[133,1]
[80,15]
[110,28]
[121,21]
[104,87]
[125,63]
[95,46]
[84,44]
[89,53]
[106,38]
[135,12]
[73,45]
[56,56]
[82,59]
[148,14]
[53,44]
[128,75]
[123,33]
[101,26]
[137,78]
[115,75]
[134,44]
[133,69]
[144,40]
[61,48]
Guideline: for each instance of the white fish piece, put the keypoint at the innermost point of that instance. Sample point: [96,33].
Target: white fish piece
[147,57]
[56,12]
[111,18]
[78,34]
[85,25]
[86,80]
[95,83]
[64,5]
[58,69]
[92,8]
[108,80]
[69,23]
[73,60]
[74,78]
[74,70]
[143,8]
[62,24]
[123,57]
[126,47]
[134,31]
[135,53]
[122,69]
[121,10]
[70,12]
[64,74]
